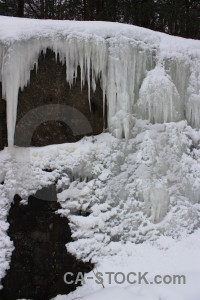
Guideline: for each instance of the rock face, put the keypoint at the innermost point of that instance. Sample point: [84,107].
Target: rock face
[64,111]
[40,258]
[50,111]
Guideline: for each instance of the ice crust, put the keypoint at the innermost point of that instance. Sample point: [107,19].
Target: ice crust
[146,73]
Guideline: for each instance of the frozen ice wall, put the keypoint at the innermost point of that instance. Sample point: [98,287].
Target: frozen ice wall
[21,57]
[114,191]
[159,100]
[142,73]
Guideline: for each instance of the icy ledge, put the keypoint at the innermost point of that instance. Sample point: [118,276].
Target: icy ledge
[142,72]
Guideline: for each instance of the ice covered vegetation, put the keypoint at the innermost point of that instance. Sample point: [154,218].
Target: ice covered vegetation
[132,194]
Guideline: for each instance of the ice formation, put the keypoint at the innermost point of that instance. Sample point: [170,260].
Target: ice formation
[142,72]
[159,100]
[114,191]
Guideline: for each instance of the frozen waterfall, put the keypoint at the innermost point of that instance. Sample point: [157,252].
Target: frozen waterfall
[143,73]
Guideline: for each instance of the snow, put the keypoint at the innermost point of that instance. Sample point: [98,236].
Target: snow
[137,198]
[129,61]
[168,257]
[132,195]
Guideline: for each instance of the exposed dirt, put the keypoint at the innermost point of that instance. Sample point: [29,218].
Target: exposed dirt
[40,258]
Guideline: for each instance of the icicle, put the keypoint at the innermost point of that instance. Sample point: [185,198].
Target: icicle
[193,103]
[104,120]
[128,69]
[88,80]
[159,100]
[193,110]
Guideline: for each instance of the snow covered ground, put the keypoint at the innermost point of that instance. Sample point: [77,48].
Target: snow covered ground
[133,205]
[132,194]
[167,258]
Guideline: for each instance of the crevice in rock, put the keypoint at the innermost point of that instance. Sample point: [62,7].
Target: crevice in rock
[47,170]
[40,258]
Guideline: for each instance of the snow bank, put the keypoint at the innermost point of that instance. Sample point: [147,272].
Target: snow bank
[136,67]
[167,258]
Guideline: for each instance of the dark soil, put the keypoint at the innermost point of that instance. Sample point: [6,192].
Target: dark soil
[40,258]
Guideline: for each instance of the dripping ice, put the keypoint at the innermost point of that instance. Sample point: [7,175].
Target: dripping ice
[138,188]
[143,73]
